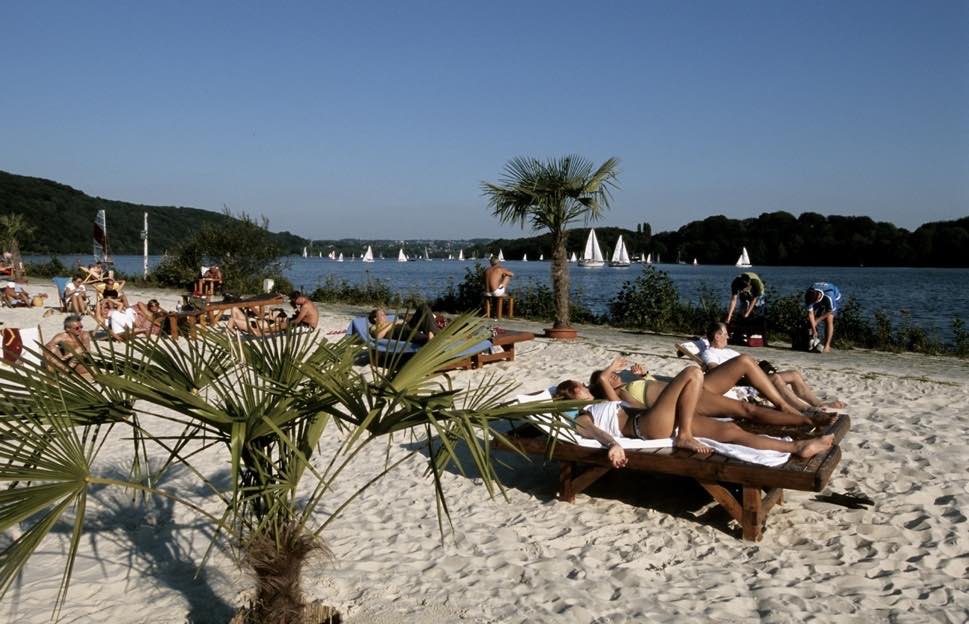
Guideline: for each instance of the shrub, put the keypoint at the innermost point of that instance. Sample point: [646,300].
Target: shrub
[960,338]
[648,302]
[373,291]
[51,268]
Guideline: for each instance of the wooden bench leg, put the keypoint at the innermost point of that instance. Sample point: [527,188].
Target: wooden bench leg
[487,307]
[511,307]
[499,304]
[752,521]
[751,511]
[571,483]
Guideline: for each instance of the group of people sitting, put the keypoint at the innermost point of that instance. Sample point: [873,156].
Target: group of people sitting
[748,304]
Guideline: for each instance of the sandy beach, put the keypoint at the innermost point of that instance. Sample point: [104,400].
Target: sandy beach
[633,548]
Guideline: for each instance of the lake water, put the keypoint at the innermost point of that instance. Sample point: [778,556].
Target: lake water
[931,298]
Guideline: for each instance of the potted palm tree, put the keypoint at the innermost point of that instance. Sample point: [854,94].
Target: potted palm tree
[266,404]
[550,195]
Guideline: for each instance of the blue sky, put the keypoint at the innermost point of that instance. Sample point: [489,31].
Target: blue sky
[381,119]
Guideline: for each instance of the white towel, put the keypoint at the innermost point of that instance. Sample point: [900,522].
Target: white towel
[736,451]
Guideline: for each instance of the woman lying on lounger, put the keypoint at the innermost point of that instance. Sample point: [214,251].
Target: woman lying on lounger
[644,389]
[419,327]
[789,383]
[673,414]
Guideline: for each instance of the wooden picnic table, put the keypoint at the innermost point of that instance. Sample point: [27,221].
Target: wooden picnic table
[212,312]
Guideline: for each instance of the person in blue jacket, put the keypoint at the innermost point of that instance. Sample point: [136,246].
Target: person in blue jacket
[823,300]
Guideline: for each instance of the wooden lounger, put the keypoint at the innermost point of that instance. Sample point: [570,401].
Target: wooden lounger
[760,487]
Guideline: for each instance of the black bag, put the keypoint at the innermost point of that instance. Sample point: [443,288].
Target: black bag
[801,339]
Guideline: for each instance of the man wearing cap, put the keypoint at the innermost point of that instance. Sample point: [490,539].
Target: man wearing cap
[14,295]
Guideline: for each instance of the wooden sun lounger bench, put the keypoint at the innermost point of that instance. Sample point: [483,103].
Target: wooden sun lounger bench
[213,312]
[761,487]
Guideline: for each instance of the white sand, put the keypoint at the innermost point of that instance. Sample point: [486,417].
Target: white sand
[636,548]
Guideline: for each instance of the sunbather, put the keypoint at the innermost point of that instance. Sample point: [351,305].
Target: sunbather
[419,327]
[251,323]
[306,314]
[789,383]
[75,296]
[673,414]
[14,295]
[642,389]
[66,350]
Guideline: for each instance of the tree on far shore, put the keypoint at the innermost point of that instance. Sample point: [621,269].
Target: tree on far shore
[13,227]
[551,195]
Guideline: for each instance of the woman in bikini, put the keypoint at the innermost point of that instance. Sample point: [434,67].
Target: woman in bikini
[673,414]
[643,390]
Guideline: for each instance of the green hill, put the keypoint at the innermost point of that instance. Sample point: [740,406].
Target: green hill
[63,219]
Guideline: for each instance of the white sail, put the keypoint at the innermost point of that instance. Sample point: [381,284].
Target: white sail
[368,257]
[592,256]
[450,256]
[340,257]
[304,252]
[620,257]
[649,258]
[744,259]
[427,256]
[694,262]
[331,255]
[573,258]
[101,253]
[461,255]
[501,256]
[541,257]
[400,256]
[525,257]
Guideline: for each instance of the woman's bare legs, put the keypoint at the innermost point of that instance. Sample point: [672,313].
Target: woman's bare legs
[726,375]
[730,432]
[675,407]
[718,406]
[801,390]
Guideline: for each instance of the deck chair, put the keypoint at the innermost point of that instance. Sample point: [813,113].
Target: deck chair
[61,282]
[386,349]
[692,349]
[747,491]
[21,345]
[91,277]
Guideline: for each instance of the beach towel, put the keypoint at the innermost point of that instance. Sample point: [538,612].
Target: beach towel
[736,451]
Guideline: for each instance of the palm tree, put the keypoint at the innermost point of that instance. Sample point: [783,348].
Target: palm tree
[13,226]
[551,195]
[267,404]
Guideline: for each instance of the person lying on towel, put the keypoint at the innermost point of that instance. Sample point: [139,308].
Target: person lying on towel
[672,415]
[636,387]
[789,383]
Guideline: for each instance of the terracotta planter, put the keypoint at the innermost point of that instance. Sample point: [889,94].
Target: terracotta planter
[561,333]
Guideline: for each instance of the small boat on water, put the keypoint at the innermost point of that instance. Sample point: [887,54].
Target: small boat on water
[620,256]
[331,255]
[744,259]
[401,257]
[461,255]
[592,256]
[340,257]
[501,256]
[305,255]
[368,256]
[525,257]
[649,258]
[427,256]
[541,257]
[573,258]
[694,262]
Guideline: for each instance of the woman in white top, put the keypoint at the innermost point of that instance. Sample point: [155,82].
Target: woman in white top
[673,414]
[789,385]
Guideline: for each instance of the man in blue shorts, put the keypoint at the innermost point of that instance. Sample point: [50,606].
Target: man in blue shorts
[823,300]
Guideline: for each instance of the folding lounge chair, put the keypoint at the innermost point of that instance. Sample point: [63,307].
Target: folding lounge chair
[746,491]
[61,282]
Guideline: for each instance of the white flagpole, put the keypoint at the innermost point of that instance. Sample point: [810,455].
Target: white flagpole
[144,235]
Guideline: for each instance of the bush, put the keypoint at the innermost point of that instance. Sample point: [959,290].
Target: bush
[648,302]
[51,268]
[466,296]
[373,292]
[960,338]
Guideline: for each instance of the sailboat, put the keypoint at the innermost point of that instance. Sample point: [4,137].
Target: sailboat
[461,255]
[541,257]
[649,258]
[694,262]
[331,255]
[744,259]
[427,256]
[101,253]
[368,257]
[573,258]
[400,256]
[321,254]
[501,256]
[592,256]
[620,257]
[525,257]
[340,257]
[304,252]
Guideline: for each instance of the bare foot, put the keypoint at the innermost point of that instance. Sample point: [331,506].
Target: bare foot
[827,350]
[807,449]
[836,404]
[691,444]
